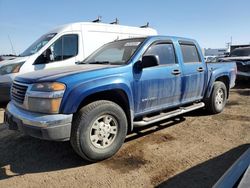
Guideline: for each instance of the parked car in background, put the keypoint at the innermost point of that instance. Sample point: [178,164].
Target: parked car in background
[64,46]
[6,57]
[242,58]
[210,59]
[124,84]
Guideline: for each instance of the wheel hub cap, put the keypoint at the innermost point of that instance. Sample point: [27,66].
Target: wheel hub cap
[219,98]
[103,131]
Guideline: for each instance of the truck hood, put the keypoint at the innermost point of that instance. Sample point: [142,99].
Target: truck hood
[56,73]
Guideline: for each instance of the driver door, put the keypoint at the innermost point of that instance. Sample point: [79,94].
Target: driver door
[158,87]
[63,52]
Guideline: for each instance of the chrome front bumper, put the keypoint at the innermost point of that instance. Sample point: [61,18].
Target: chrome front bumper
[44,126]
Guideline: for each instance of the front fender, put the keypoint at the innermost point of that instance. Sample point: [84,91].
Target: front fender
[73,98]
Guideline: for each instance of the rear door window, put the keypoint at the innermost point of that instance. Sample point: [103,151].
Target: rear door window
[190,53]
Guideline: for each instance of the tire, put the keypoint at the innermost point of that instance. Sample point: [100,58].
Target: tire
[218,98]
[95,125]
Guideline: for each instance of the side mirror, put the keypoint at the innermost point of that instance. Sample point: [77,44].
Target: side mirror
[150,61]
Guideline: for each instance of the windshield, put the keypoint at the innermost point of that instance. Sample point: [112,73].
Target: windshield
[240,52]
[36,46]
[118,52]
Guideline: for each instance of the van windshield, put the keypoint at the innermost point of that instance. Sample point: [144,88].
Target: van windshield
[117,52]
[37,45]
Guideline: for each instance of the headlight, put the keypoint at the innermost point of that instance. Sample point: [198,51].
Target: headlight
[45,97]
[48,106]
[12,68]
[48,87]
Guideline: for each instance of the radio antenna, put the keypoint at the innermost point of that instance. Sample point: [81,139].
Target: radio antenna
[12,48]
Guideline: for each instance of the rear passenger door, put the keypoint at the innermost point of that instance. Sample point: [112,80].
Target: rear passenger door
[193,72]
[160,86]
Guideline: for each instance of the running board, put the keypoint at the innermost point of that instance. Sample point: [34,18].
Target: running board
[167,115]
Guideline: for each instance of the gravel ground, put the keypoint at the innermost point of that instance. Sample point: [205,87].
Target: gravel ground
[192,151]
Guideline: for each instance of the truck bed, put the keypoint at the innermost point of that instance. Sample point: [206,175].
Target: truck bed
[229,68]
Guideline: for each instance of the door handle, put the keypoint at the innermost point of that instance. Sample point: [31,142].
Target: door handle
[176,72]
[200,69]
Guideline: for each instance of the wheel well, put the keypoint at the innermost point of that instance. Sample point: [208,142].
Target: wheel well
[225,80]
[117,96]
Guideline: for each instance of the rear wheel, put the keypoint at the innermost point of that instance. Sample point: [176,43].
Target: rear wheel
[218,98]
[99,130]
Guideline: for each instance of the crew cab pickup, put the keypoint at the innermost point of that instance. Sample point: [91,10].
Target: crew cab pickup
[124,84]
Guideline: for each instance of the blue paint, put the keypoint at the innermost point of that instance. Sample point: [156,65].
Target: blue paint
[148,90]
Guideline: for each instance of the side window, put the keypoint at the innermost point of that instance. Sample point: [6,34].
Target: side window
[64,48]
[70,46]
[190,53]
[56,50]
[165,52]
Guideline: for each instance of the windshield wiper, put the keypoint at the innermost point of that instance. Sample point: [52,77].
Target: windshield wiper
[99,62]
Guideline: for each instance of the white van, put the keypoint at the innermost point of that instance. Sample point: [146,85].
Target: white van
[64,46]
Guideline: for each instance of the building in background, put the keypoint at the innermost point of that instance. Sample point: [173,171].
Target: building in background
[218,52]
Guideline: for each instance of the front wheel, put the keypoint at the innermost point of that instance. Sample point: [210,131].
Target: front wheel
[218,98]
[98,130]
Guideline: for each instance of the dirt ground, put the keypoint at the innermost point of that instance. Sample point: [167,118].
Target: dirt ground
[192,151]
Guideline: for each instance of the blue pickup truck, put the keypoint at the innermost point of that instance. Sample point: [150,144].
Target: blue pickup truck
[124,84]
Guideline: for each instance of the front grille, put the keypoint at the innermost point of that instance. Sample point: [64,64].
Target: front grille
[18,91]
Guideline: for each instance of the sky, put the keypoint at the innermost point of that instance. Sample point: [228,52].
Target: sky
[211,22]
